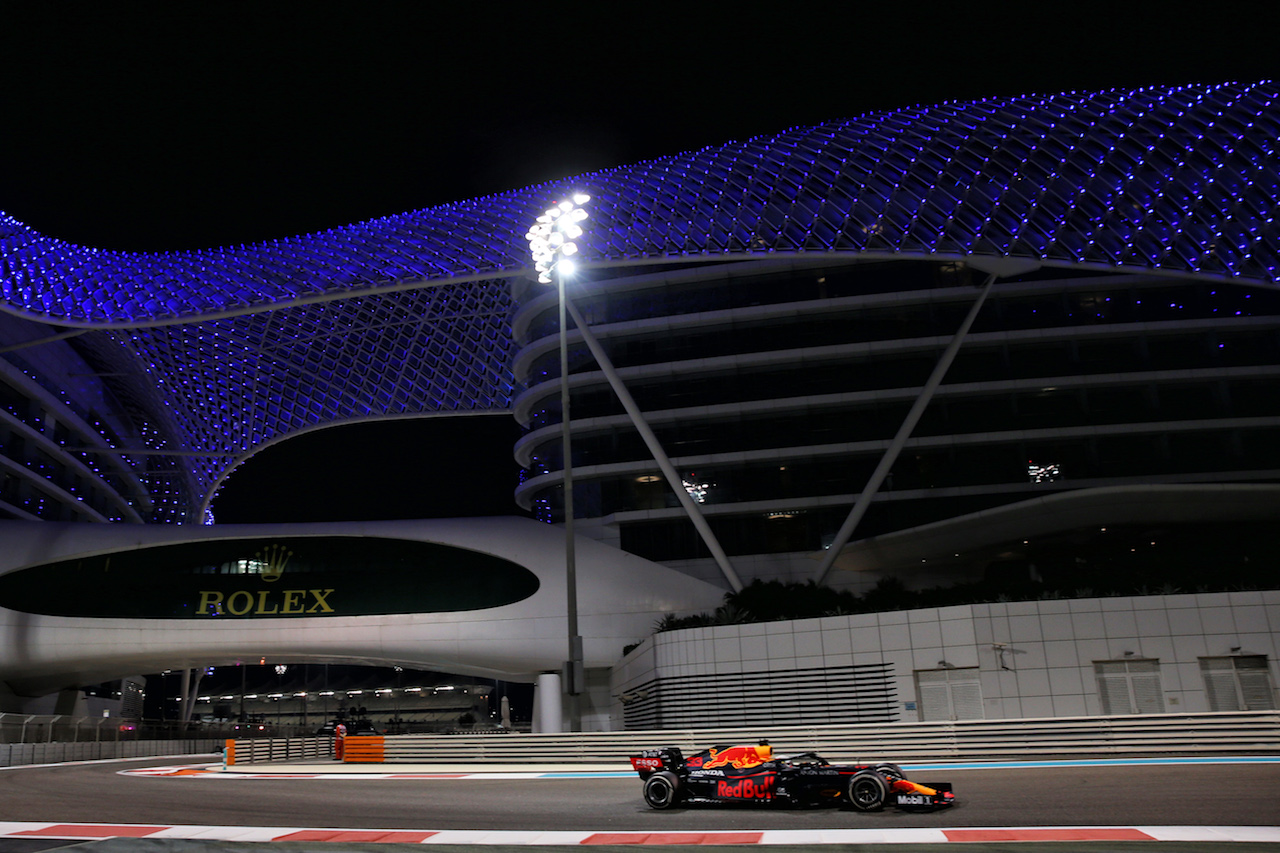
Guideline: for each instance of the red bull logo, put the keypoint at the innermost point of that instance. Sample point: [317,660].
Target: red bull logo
[751,788]
[738,757]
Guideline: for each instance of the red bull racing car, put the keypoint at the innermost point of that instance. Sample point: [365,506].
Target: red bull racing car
[752,774]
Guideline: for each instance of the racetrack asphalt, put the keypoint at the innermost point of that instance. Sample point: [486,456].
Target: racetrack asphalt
[516,806]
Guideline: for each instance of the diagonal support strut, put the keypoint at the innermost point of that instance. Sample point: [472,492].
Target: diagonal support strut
[655,448]
[900,440]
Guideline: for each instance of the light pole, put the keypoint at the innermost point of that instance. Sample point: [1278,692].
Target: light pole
[281,669]
[399,693]
[551,245]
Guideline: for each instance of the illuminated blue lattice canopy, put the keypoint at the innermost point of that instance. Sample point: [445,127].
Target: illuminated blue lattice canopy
[1181,179]
[243,345]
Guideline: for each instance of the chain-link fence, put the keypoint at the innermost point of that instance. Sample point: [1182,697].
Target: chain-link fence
[47,738]
[54,728]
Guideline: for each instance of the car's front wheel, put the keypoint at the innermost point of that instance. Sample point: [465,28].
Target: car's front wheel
[662,790]
[867,791]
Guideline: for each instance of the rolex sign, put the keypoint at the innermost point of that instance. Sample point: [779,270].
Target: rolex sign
[270,578]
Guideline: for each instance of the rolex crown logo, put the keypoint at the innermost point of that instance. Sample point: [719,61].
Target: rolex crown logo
[272,559]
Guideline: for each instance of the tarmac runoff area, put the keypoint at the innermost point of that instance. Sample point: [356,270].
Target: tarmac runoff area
[339,770]
[42,837]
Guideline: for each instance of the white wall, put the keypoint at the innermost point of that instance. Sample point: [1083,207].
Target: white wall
[1050,648]
[1056,642]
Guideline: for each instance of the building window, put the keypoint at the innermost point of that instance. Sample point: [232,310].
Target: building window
[1130,686]
[949,694]
[1238,683]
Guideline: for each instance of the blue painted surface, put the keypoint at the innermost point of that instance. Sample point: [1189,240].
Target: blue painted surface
[1095,762]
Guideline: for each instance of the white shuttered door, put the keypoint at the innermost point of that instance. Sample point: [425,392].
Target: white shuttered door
[1130,686]
[1238,683]
[949,694]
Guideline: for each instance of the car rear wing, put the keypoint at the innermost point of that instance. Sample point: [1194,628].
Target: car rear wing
[652,760]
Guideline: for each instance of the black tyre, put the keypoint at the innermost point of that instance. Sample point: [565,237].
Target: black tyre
[662,790]
[868,791]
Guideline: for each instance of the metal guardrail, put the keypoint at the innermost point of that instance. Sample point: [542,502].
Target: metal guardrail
[251,750]
[1225,733]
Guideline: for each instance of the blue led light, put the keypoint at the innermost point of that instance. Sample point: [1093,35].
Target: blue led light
[1179,179]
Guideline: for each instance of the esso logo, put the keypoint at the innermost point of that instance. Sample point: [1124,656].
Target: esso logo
[646,763]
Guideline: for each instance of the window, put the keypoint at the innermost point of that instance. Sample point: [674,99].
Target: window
[949,694]
[1130,686]
[1238,683]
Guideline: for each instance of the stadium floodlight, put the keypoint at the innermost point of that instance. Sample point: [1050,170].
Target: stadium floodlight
[551,244]
[552,234]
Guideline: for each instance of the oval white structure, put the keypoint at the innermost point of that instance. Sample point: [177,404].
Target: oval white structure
[620,596]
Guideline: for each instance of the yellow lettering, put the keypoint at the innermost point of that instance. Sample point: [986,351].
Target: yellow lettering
[210,602]
[320,595]
[243,602]
[236,610]
[291,602]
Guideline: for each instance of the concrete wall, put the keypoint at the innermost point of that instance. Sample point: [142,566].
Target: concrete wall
[1054,644]
[1032,658]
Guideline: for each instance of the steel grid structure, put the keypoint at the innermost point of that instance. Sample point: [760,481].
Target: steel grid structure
[222,351]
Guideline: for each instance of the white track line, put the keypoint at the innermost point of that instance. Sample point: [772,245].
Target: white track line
[1206,834]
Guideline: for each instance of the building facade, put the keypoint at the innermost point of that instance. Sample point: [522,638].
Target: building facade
[480,597]
[777,388]
[1114,656]
[1014,339]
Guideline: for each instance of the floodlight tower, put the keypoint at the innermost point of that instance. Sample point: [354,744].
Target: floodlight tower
[552,247]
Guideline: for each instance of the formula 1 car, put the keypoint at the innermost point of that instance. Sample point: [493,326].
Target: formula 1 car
[752,774]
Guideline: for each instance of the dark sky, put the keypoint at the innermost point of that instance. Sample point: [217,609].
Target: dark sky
[150,126]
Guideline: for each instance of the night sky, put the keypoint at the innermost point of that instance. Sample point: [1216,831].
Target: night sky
[152,126]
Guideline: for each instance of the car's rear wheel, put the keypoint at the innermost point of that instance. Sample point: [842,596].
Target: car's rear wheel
[867,791]
[662,790]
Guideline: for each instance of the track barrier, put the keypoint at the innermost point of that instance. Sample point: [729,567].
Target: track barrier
[57,752]
[251,750]
[1050,738]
